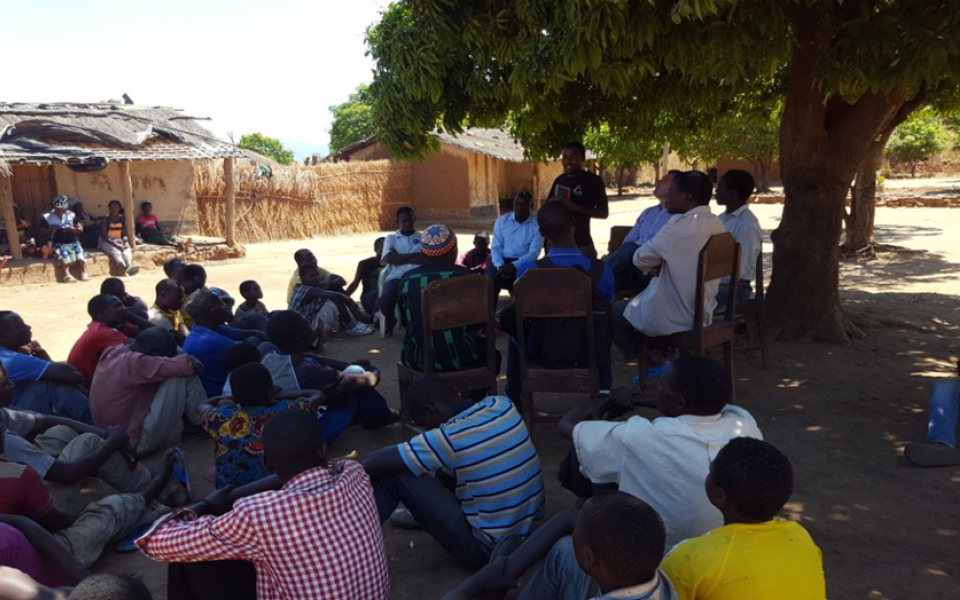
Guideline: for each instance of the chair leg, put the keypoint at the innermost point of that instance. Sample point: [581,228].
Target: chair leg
[748,321]
[728,361]
[526,410]
[763,342]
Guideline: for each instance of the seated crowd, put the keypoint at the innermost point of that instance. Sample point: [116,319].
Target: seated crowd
[682,506]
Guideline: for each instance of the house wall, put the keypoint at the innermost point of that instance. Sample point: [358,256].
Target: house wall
[441,187]
[167,184]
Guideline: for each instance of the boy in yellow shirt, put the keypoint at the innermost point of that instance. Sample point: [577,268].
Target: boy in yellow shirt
[755,554]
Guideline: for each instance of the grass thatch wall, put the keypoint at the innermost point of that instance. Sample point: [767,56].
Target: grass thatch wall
[302,202]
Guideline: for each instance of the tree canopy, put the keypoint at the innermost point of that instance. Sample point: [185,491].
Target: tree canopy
[267,146]
[353,120]
[918,138]
[561,68]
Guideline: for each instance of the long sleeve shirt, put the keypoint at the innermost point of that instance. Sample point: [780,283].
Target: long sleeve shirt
[512,239]
[648,224]
[316,537]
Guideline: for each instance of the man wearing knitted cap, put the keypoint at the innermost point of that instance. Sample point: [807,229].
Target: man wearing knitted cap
[454,350]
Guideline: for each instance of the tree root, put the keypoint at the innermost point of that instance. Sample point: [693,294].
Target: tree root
[870,251]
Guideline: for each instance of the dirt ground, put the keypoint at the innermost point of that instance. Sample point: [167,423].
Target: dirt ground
[887,530]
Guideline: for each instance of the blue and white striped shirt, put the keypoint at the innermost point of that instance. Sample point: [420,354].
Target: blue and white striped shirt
[488,448]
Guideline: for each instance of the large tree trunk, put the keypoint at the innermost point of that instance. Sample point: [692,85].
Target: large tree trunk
[822,141]
[863,200]
[763,174]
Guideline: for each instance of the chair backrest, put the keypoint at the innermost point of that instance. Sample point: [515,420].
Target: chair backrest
[457,302]
[760,289]
[552,293]
[617,234]
[720,257]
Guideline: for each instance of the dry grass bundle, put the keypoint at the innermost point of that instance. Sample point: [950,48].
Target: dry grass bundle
[302,202]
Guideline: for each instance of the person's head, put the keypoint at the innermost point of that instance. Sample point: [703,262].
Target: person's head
[146,208]
[107,309]
[78,208]
[303,256]
[661,189]
[251,384]
[433,401]
[114,208]
[60,205]
[194,278]
[734,189]
[749,481]
[406,220]
[439,244]
[14,333]
[114,286]
[169,294]
[293,443]
[107,586]
[225,296]
[155,341]
[250,290]
[207,309]
[378,246]
[310,274]
[556,223]
[689,190]
[6,389]
[619,540]
[239,354]
[572,158]
[522,204]
[694,385]
[174,268]
[290,332]
[481,242]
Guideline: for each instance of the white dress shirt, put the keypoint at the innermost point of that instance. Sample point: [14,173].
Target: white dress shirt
[663,462]
[743,225]
[666,306]
[401,244]
[512,239]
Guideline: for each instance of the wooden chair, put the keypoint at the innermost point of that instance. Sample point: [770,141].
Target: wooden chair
[554,293]
[720,257]
[617,234]
[751,313]
[449,304]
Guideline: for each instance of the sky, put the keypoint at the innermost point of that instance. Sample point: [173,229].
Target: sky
[272,67]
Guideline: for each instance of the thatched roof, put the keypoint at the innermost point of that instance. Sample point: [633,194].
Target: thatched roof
[76,133]
[495,143]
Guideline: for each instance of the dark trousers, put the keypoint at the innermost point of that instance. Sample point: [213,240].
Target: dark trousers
[389,295]
[233,579]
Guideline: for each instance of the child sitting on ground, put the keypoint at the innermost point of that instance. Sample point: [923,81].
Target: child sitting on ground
[115,287]
[324,309]
[368,273]
[479,258]
[252,296]
[755,554]
[194,279]
[236,423]
[239,354]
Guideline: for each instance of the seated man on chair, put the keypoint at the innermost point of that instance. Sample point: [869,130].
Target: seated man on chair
[733,192]
[557,225]
[458,350]
[667,305]
[648,224]
[516,238]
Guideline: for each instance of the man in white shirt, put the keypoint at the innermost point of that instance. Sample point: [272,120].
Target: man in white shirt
[401,254]
[516,238]
[663,462]
[733,191]
[648,224]
[667,305]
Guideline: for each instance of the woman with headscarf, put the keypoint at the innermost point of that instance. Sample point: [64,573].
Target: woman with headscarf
[115,239]
[64,229]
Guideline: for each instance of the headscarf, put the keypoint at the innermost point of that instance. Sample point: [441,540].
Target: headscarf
[61,202]
[437,240]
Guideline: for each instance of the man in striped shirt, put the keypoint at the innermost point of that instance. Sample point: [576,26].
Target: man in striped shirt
[487,486]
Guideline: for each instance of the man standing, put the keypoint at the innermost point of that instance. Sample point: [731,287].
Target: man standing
[733,191]
[672,256]
[582,192]
[516,238]
[648,224]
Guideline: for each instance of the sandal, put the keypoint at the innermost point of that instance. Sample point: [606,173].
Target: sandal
[181,472]
[69,279]
[128,545]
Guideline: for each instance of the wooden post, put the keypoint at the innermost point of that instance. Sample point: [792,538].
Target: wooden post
[231,194]
[7,214]
[126,199]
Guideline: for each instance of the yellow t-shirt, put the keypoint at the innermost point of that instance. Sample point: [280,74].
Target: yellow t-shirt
[772,560]
[295,279]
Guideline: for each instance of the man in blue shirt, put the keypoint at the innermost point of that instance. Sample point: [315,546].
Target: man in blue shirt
[40,384]
[516,238]
[211,337]
[556,225]
[650,221]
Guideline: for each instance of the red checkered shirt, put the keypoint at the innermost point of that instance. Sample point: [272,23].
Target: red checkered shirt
[318,537]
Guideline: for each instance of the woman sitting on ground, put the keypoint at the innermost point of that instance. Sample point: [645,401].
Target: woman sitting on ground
[115,239]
